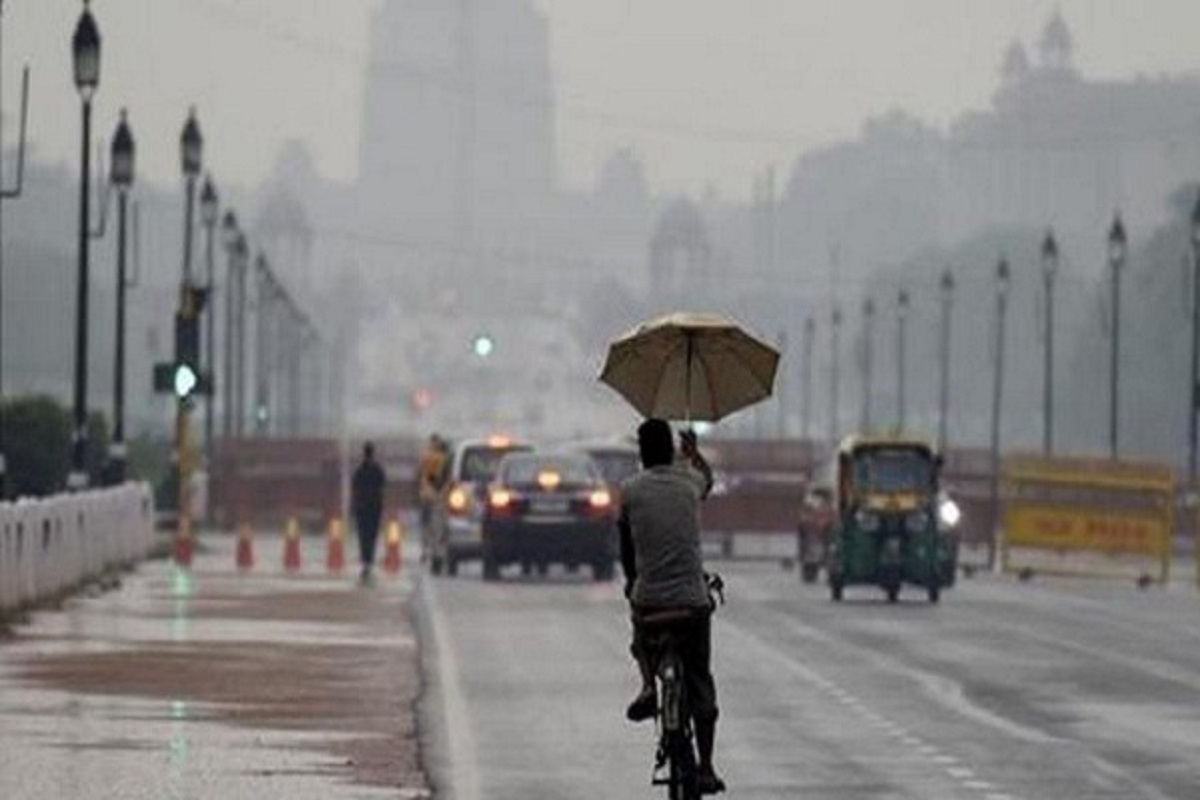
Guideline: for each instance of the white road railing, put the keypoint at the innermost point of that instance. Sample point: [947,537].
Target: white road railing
[51,544]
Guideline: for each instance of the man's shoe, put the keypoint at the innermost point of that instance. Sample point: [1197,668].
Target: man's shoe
[643,706]
[708,782]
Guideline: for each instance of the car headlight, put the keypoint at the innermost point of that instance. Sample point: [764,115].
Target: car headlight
[949,514]
[866,520]
[917,522]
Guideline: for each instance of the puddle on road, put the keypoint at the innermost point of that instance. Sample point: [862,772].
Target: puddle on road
[331,671]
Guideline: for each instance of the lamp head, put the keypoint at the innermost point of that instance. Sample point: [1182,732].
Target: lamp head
[229,230]
[947,282]
[208,203]
[191,145]
[1003,276]
[1117,242]
[121,171]
[1049,254]
[85,54]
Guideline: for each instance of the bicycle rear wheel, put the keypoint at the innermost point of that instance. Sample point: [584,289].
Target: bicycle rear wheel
[682,757]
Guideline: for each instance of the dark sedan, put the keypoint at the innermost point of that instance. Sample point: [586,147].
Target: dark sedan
[544,509]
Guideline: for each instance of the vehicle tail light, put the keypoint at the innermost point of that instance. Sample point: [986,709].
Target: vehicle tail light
[600,500]
[457,501]
[500,499]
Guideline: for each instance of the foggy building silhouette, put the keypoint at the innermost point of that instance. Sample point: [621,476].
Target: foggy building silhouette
[458,129]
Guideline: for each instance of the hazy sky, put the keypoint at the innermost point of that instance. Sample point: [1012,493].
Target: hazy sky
[707,91]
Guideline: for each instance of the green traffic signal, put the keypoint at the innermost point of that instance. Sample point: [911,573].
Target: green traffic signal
[483,345]
[185,381]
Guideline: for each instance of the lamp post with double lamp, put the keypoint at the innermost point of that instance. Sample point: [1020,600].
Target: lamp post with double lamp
[868,359]
[85,51]
[947,289]
[229,239]
[191,146]
[122,162]
[1194,384]
[209,210]
[901,358]
[1117,251]
[1003,279]
[1049,273]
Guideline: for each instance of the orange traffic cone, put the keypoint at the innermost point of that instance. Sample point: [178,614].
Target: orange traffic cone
[335,555]
[291,546]
[391,556]
[245,548]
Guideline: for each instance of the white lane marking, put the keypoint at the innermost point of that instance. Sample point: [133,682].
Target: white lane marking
[964,775]
[464,771]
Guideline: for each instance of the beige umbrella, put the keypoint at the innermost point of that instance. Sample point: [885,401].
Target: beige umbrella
[690,366]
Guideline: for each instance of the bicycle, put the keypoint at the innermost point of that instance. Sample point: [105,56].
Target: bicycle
[675,762]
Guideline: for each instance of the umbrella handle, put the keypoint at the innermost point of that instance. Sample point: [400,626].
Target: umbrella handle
[687,386]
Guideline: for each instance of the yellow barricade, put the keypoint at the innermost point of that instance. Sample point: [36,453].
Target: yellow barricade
[1091,517]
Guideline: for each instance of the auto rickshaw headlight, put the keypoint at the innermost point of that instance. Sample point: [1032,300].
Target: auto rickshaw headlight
[917,522]
[866,521]
[949,514]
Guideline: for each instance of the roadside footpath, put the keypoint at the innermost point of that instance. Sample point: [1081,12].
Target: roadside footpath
[217,683]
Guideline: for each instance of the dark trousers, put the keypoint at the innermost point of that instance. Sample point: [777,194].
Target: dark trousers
[693,639]
[368,532]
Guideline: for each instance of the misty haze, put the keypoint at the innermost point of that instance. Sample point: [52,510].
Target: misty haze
[361,292]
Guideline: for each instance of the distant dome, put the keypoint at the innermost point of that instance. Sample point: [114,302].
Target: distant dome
[681,225]
[1056,47]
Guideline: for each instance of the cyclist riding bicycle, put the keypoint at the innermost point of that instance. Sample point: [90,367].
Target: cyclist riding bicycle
[664,570]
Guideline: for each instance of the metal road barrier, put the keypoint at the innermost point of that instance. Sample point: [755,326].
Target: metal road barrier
[49,545]
[1090,517]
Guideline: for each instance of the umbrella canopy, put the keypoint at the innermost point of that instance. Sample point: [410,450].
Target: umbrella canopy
[690,366]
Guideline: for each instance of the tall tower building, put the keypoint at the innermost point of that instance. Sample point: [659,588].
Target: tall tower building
[458,130]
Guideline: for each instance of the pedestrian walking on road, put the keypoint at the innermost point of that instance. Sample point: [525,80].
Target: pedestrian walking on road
[366,500]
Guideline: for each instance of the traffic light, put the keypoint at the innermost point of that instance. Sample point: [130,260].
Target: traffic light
[483,345]
[185,377]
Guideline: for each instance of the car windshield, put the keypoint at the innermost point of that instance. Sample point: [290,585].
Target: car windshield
[569,471]
[479,462]
[893,470]
[616,465]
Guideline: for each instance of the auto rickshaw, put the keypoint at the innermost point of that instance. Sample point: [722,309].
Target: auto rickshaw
[886,530]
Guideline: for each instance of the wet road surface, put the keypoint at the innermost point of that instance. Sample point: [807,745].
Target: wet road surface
[1005,691]
[209,683]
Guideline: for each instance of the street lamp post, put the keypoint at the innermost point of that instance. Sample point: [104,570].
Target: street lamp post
[868,357]
[947,289]
[242,250]
[263,300]
[1117,251]
[122,171]
[1194,385]
[1002,286]
[229,238]
[810,335]
[1049,273]
[835,348]
[85,51]
[902,357]
[191,147]
[209,209]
